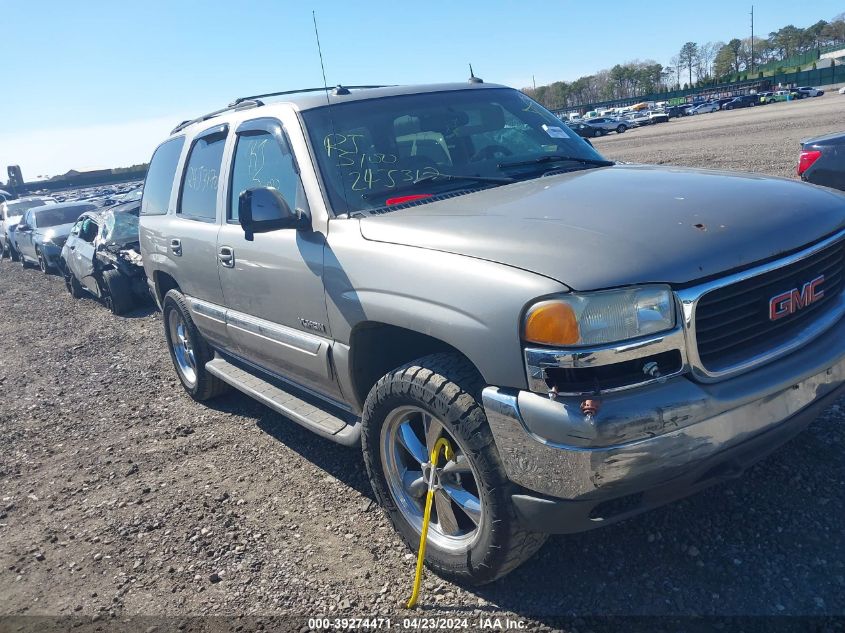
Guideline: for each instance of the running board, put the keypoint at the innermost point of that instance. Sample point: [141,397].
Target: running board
[292,406]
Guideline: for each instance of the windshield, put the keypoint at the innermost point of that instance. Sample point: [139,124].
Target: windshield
[369,150]
[53,216]
[17,207]
[121,228]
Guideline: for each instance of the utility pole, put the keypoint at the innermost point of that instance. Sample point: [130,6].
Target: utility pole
[752,39]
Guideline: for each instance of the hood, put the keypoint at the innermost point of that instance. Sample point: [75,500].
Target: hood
[56,233]
[622,225]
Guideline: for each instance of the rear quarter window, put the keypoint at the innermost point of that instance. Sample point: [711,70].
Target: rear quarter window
[160,177]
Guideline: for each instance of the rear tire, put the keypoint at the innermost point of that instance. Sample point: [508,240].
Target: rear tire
[118,296]
[188,349]
[445,389]
[73,286]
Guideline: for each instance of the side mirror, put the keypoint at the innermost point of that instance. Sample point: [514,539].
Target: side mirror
[263,209]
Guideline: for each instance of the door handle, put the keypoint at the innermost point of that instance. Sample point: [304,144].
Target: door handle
[176,247]
[226,256]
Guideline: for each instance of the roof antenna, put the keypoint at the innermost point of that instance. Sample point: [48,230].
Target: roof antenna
[320,51]
[338,91]
[472,78]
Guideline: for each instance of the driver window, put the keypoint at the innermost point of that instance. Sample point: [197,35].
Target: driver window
[260,162]
[89,230]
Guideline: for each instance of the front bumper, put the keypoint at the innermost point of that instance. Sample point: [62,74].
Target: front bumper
[652,445]
[52,253]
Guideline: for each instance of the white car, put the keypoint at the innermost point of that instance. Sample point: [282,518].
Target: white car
[842,90]
[11,212]
[703,108]
[809,91]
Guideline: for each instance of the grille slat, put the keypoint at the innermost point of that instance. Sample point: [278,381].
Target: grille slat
[732,323]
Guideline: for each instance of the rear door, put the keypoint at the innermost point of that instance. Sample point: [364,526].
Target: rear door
[191,233]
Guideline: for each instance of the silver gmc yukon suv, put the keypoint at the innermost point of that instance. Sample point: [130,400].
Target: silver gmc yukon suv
[392,265]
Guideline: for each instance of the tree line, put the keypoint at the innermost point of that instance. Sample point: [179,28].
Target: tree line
[695,64]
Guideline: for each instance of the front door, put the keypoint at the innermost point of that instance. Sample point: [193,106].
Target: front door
[81,247]
[23,235]
[272,284]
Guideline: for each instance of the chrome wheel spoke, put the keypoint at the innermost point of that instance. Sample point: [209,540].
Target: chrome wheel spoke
[409,440]
[414,483]
[460,466]
[433,430]
[446,519]
[466,501]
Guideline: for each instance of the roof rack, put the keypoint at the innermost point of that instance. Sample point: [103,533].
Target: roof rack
[337,90]
[236,105]
[255,101]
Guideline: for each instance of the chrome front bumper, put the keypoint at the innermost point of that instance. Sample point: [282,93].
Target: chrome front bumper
[646,438]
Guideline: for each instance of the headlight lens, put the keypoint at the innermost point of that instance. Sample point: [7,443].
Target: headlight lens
[598,318]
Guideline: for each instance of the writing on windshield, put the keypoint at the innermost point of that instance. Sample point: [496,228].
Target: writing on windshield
[430,142]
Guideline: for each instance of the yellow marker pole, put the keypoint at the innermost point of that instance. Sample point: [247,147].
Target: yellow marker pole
[441,444]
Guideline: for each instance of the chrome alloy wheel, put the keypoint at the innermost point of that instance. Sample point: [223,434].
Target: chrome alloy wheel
[407,438]
[183,352]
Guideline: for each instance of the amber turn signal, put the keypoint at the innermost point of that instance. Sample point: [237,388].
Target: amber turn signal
[552,323]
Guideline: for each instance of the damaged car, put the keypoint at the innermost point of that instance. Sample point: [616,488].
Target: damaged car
[101,257]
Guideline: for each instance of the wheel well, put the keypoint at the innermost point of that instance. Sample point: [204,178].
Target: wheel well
[376,348]
[164,284]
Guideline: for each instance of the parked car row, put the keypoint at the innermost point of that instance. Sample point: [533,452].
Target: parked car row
[93,244]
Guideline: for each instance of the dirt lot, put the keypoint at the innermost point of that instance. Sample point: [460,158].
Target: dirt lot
[763,139]
[122,496]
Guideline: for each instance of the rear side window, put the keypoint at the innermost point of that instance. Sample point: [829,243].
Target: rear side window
[159,183]
[198,198]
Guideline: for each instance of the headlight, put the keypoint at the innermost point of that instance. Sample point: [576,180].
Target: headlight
[602,317]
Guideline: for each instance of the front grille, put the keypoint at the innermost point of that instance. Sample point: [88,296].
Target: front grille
[732,323]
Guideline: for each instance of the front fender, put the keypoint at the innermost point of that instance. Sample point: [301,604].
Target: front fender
[471,304]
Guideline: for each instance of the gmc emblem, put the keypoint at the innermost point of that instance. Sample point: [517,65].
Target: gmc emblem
[792,301]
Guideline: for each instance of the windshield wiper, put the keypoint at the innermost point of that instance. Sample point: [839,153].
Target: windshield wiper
[557,158]
[502,180]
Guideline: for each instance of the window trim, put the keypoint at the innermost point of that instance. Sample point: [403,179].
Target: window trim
[221,130]
[253,127]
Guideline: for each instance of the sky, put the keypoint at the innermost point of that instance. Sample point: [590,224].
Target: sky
[92,84]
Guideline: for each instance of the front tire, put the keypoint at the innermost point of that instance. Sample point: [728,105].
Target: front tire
[620,129]
[118,295]
[474,536]
[188,349]
[42,262]
[73,286]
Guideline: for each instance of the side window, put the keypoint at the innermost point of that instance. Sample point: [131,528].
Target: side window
[198,196]
[160,176]
[89,230]
[260,161]
[30,219]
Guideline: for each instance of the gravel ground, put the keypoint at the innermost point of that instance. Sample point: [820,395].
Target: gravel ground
[122,496]
[763,139]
